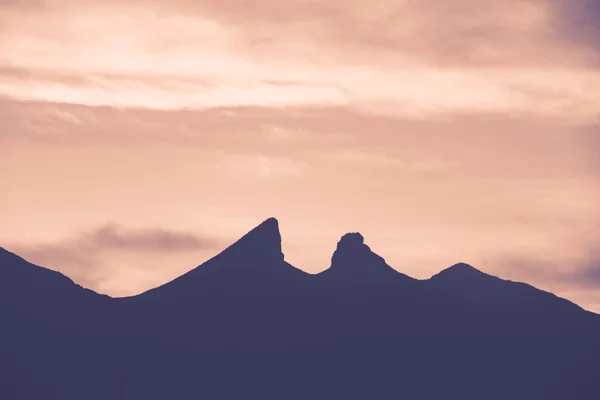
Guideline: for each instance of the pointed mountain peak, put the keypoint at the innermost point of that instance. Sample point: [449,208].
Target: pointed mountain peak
[270,224]
[240,267]
[264,241]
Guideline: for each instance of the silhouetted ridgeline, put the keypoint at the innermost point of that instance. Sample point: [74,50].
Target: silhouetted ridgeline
[248,325]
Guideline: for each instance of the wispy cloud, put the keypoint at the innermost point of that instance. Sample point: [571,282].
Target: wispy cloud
[591,275]
[463,32]
[113,237]
[89,257]
[462,130]
[409,58]
[265,167]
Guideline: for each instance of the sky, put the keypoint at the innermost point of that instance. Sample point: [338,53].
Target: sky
[139,138]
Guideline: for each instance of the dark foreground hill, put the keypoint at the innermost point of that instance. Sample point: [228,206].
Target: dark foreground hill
[248,325]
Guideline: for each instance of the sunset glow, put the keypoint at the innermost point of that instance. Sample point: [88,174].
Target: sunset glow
[139,138]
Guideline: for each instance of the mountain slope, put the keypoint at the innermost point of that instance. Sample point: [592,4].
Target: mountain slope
[353,263]
[21,279]
[465,281]
[50,327]
[253,264]
[246,324]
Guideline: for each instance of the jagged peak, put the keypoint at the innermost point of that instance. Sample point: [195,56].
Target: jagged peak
[268,229]
[352,239]
[269,223]
[352,245]
[354,260]
[258,251]
[264,238]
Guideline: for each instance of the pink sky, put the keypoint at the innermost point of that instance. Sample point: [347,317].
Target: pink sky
[138,138]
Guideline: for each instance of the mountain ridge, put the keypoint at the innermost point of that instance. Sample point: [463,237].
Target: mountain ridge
[247,324]
[14,269]
[353,263]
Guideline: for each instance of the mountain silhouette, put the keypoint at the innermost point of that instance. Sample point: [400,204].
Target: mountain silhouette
[254,260]
[26,281]
[247,324]
[354,263]
[466,281]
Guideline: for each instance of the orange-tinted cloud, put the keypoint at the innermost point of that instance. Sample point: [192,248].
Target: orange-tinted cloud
[412,58]
[87,257]
[442,131]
